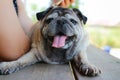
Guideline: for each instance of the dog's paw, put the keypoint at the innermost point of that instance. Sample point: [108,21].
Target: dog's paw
[6,71]
[6,68]
[89,70]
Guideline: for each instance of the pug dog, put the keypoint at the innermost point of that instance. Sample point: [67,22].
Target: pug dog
[58,37]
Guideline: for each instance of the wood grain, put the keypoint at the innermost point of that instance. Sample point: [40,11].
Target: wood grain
[109,65]
[41,72]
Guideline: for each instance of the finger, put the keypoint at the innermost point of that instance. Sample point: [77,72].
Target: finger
[67,3]
[54,1]
[62,4]
[57,2]
[72,1]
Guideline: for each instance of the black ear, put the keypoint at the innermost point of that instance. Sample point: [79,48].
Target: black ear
[41,15]
[80,15]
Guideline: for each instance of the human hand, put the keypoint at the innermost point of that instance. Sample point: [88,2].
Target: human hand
[64,3]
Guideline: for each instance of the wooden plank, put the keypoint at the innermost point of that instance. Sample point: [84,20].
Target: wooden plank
[41,72]
[109,65]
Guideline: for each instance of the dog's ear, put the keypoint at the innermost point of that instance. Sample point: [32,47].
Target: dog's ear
[42,14]
[80,15]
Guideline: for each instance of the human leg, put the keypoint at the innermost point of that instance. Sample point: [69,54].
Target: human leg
[13,40]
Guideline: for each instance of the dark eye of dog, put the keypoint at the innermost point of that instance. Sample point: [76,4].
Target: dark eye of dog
[49,20]
[73,21]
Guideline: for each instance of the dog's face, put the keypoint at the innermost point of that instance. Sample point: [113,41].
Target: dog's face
[61,26]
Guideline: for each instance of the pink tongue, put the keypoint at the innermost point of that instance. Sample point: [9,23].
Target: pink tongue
[59,41]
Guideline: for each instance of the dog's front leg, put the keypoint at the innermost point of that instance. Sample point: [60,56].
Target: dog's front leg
[83,65]
[10,67]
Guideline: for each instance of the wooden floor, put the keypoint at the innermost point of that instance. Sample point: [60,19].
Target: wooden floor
[109,65]
[41,72]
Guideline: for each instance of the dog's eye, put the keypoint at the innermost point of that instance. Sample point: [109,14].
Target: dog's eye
[73,21]
[49,20]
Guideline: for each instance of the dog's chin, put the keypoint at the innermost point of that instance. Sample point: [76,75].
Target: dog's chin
[61,42]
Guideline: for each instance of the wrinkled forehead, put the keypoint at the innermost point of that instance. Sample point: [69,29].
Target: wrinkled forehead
[61,12]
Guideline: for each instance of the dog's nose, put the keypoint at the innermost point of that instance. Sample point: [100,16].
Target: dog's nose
[60,22]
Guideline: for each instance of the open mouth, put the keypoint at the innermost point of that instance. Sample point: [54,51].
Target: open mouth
[59,41]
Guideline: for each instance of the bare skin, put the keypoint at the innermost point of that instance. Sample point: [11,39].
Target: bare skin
[66,3]
[14,41]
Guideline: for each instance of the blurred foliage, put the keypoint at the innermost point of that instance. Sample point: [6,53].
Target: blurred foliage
[75,5]
[100,36]
[105,36]
[35,8]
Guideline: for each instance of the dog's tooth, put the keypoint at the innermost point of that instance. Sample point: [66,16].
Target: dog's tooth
[86,72]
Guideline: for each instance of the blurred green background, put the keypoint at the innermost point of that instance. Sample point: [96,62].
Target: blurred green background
[100,35]
[104,36]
